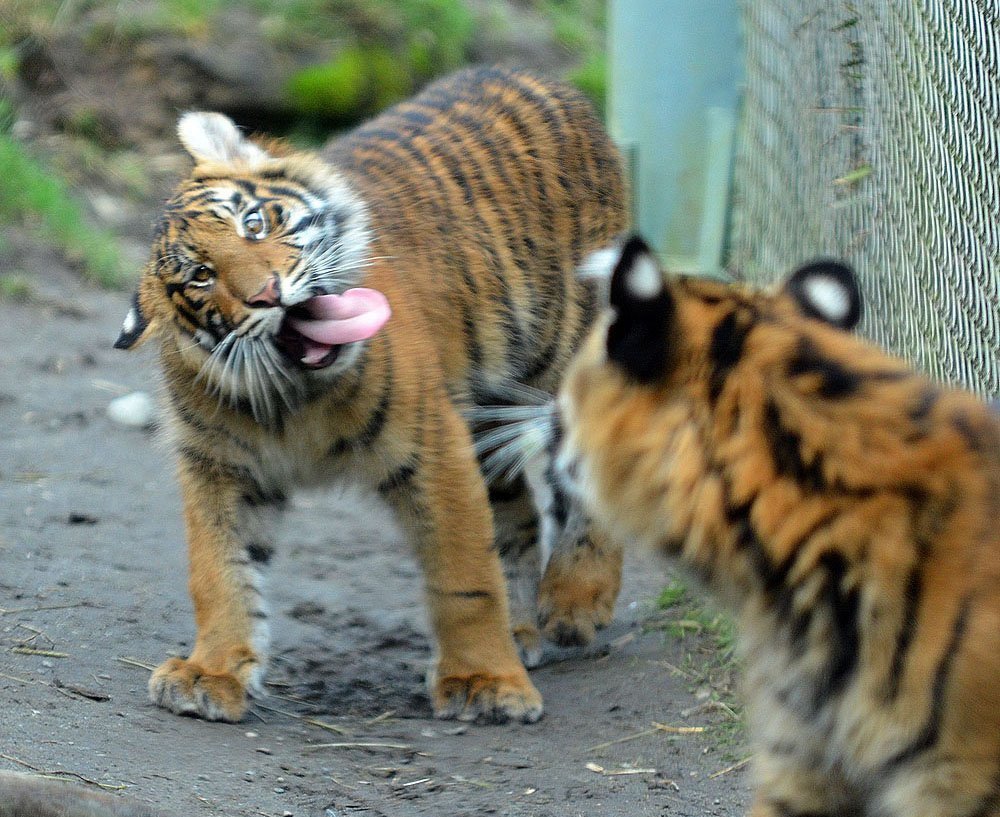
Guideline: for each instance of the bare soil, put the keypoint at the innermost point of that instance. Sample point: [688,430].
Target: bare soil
[93,591]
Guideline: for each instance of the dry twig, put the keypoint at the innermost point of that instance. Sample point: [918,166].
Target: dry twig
[33,651]
[58,774]
[732,768]
[360,745]
[133,663]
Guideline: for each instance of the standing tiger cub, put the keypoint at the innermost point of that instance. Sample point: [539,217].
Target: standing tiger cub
[336,315]
[844,506]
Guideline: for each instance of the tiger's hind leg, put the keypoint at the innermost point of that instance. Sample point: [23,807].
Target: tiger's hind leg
[579,588]
[515,522]
[476,672]
[583,568]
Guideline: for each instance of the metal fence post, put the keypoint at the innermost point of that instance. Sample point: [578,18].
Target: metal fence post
[675,72]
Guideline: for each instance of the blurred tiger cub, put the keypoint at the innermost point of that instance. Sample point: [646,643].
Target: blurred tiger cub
[334,315]
[844,506]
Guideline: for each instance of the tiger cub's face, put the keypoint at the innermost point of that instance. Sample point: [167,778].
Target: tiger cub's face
[252,270]
[651,376]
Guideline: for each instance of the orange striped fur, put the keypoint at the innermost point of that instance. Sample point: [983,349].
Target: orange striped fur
[468,209]
[844,506]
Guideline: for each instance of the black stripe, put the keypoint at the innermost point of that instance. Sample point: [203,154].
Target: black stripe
[844,643]
[517,547]
[973,435]
[929,734]
[471,594]
[378,418]
[402,476]
[275,498]
[237,473]
[989,806]
[783,809]
[259,552]
[786,452]
[908,627]
[836,381]
[506,491]
[725,350]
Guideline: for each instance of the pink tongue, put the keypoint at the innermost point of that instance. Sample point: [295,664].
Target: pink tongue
[355,315]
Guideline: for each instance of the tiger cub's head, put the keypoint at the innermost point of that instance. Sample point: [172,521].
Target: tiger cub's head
[253,270]
[675,365]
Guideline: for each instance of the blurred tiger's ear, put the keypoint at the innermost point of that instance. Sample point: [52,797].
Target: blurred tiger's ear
[828,291]
[136,328]
[213,137]
[640,334]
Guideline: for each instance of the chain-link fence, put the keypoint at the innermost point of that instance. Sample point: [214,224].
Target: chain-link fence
[871,132]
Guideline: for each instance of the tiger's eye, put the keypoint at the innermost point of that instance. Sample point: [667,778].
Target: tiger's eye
[202,274]
[254,225]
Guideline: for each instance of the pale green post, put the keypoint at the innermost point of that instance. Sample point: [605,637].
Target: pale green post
[675,73]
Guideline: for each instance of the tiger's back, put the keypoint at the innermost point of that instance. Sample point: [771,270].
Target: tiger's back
[497,184]
[842,504]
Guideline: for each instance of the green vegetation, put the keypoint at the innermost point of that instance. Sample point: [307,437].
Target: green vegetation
[32,194]
[15,287]
[710,663]
[580,26]
[378,51]
[394,48]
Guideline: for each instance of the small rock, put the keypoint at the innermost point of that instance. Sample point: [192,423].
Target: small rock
[278,790]
[135,410]
[264,750]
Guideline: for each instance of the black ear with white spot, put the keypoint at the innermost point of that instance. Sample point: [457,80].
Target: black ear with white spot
[828,291]
[640,333]
[133,327]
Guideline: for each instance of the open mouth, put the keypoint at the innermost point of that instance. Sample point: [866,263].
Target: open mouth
[313,332]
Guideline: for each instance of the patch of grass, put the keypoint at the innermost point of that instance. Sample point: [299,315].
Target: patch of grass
[16,287]
[671,595]
[30,193]
[592,79]
[393,47]
[710,663]
[580,27]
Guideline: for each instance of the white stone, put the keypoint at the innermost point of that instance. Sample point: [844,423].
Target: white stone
[135,410]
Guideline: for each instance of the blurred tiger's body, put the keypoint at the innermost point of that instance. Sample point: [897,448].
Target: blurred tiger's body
[463,211]
[843,506]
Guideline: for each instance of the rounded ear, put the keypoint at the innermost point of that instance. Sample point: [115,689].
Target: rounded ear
[639,337]
[213,137]
[828,291]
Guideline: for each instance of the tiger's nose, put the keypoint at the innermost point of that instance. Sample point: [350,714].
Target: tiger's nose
[269,294]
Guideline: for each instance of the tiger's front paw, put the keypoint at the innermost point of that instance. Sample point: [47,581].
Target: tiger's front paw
[185,687]
[486,698]
[576,598]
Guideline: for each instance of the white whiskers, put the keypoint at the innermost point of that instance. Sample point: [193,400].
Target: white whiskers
[518,435]
[248,367]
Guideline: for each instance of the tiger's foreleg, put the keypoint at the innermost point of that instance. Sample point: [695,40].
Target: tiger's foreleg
[476,672]
[225,518]
[791,784]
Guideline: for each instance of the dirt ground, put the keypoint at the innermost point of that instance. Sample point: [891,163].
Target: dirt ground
[93,592]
